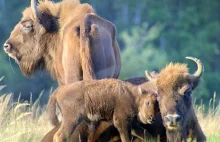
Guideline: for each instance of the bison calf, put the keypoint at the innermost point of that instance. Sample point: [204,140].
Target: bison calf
[101,100]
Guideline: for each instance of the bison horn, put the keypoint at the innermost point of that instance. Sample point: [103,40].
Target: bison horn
[141,91]
[200,67]
[148,75]
[34,8]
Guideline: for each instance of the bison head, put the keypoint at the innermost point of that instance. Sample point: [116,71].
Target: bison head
[147,106]
[175,85]
[29,39]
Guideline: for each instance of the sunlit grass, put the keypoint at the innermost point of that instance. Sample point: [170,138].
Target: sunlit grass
[22,121]
[210,120]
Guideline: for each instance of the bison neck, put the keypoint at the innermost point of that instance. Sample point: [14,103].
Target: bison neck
[52,58]
[135,94]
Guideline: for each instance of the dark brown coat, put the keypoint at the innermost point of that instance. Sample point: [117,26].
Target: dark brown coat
[67,39]
[107,99]
[175,85]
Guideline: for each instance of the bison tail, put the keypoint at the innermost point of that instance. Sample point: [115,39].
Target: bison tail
[52,110]
[85,53]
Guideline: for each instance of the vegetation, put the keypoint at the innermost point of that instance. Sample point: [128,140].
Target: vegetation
[21,121]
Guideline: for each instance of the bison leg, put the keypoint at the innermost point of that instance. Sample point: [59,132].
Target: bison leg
[67,128]
[92,129]
[123,126]
[139,132]
[57,134]
[198,133]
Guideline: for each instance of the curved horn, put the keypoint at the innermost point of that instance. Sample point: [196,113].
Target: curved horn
[200,67]
[34,8]
[149,77]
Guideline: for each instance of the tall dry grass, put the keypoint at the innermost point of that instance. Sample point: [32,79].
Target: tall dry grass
[22,121]
[27,121]
[210,119]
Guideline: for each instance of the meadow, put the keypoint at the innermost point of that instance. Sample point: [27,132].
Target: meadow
[28,122]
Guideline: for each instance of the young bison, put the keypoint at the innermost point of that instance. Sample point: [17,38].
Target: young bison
[107,100]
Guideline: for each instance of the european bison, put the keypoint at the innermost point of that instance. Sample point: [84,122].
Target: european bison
[175,85]
[101,100]
[67,39]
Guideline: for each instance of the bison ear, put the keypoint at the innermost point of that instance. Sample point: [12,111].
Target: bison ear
[141,91]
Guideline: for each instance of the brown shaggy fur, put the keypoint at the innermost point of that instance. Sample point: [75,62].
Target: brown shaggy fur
[172,75]
[107,132]
[175,85]
[107,99]
[69,40]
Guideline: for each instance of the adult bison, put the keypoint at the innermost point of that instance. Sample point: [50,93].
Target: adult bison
[175,85]
[67,39]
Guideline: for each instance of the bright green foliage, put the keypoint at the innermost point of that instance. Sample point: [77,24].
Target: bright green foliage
[140,52]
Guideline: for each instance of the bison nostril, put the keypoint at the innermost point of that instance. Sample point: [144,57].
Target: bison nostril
[167,118]
[153,119]
[150,117]
[178,118]
[7,47]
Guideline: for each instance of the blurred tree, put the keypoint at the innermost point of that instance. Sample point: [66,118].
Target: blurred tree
[140,53]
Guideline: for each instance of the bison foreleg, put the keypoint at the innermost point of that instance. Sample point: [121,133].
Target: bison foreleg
[124,128]
[198,133]
[67,128]
[92,130]
[141,133]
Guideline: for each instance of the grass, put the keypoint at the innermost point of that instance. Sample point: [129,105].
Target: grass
[27,121]
[210,120]
[22,121]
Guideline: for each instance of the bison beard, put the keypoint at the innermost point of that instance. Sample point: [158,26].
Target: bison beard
[27,68]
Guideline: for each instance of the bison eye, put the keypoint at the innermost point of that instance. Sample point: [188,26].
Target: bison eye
[188,92]
[27,25]
[147,103]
